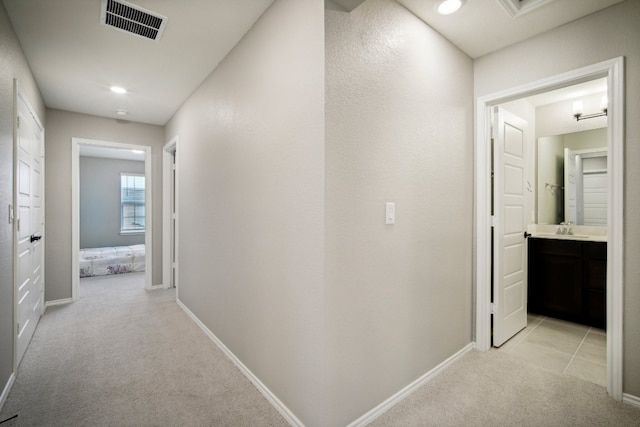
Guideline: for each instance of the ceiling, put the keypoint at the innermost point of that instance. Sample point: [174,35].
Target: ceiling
[483,26]
[75,59]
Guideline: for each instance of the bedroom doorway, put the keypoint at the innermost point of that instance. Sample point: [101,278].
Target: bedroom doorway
[111,211]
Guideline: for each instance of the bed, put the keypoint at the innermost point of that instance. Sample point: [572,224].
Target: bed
[113,260]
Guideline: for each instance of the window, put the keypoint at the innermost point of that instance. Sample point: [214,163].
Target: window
[131,203]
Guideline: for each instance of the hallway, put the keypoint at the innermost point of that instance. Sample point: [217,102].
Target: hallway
[123,356]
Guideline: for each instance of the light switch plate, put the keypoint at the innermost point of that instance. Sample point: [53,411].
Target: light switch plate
[390,213]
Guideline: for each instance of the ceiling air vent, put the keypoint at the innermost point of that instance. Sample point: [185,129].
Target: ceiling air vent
[132,19]
[520,7]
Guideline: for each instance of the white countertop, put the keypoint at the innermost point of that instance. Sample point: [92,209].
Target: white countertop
[580,232]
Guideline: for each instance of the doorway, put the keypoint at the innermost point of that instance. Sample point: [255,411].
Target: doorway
[169,215]
[612,70]
[145,214]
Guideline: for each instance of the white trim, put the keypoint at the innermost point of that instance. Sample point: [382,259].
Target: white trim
[6,390]
[268,394]
[154,287]
[62,301]
[75,209]
[396,398]
[167,151]
[614,71]
[631,399]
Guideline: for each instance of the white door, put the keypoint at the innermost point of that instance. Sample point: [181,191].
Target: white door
[509,248]
[595,197]
[29,227]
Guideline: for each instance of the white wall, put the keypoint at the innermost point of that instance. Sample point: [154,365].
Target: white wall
[398,129]
[100,202]
[587,140]
[608,34]
[62,126]
[13,65]
[250,162]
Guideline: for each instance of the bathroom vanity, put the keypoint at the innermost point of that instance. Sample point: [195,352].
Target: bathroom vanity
[567,277]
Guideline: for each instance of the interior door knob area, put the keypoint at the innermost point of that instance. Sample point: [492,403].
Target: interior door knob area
[35,238]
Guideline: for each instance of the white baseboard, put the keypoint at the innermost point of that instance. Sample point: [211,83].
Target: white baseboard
[6,390]
[631,399]
[406,391]
[154,287]
[280,407]
[58,302]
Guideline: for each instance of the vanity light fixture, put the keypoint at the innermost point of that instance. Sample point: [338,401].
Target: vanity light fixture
[578,109]
[118,89]
[447,7]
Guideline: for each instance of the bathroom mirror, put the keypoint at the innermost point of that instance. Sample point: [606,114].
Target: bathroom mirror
[572,178]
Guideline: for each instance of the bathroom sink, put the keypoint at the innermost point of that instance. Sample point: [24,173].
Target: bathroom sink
[562,236]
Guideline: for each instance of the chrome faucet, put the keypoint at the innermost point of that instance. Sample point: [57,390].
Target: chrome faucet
[565,229]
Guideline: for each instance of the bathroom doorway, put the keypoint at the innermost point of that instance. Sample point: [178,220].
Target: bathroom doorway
[612,71]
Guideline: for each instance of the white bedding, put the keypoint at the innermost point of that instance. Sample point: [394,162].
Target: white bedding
[114,260]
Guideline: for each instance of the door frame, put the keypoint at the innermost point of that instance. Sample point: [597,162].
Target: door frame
[75,209]
[20,96]
[613,70]
[167,241]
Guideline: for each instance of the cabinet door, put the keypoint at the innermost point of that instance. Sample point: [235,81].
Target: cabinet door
[556,277]
[596,284]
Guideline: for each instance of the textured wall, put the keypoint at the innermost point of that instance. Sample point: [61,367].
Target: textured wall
[62,126]
[100,202]
[608,34]
[250,162]
[398,129]
[13,65]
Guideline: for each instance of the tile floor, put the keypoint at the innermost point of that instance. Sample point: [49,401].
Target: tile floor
[564,347]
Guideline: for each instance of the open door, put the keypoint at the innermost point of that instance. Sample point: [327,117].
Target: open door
[509,242]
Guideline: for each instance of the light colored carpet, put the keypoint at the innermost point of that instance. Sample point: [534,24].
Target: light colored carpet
[122,356]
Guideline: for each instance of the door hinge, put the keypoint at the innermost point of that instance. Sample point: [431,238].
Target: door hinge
[18,328]
[18,122]
[494,308]
[493,220]
[11,214]
[18,224]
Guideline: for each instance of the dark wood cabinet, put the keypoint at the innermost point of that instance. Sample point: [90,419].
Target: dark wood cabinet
[567,280]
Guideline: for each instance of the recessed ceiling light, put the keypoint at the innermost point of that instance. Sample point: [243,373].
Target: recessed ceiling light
[121,113]
[447,7]
[118,89]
